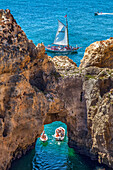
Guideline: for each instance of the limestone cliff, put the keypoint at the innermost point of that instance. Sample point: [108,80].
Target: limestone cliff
[36,89]
[99,54]
[26,73]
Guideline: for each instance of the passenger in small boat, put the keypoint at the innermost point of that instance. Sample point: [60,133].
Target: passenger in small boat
[62,134]
[43,135]
[59,130]
[57,134]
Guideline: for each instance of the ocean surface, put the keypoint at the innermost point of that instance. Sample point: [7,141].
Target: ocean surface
[38,19]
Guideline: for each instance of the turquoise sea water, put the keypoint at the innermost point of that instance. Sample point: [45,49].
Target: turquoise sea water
[38,19]
[54,155]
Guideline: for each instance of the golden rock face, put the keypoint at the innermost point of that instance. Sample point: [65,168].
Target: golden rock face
[22,104]
[36,90]
[99,54]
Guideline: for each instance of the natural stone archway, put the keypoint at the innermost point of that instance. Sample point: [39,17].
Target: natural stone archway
[73,112]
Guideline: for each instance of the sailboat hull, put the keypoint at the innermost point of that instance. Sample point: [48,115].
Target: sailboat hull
[61,50]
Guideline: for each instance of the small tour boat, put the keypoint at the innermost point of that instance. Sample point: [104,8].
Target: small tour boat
[43,137]
[59,133]
[61,42]
[98,13]
[102,13]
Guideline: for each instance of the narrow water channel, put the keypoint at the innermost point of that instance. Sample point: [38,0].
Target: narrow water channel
[54,155]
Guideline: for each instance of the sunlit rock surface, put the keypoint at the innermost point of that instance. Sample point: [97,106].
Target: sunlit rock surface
[25,73]
[99,54]
[36,89]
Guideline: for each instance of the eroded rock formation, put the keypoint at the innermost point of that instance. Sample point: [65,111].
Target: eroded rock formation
[25,74]
[99,54]
[36,89]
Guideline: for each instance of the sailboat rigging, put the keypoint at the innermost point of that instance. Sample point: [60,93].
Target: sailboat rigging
[61,42]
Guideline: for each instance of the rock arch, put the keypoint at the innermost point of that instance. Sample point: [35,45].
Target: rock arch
[71,110]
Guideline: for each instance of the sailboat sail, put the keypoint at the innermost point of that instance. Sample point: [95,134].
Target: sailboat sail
[61,35]
[62,39]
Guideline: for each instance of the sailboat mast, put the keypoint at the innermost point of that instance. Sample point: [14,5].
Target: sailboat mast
[67,31]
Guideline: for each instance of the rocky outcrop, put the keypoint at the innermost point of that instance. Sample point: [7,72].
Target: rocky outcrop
[99,97]
[25,74]
[99,54]
[36,89]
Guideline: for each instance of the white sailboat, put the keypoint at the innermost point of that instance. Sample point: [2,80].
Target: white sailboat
[61,42]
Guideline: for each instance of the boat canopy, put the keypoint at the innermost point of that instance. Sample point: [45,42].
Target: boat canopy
[61,35]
